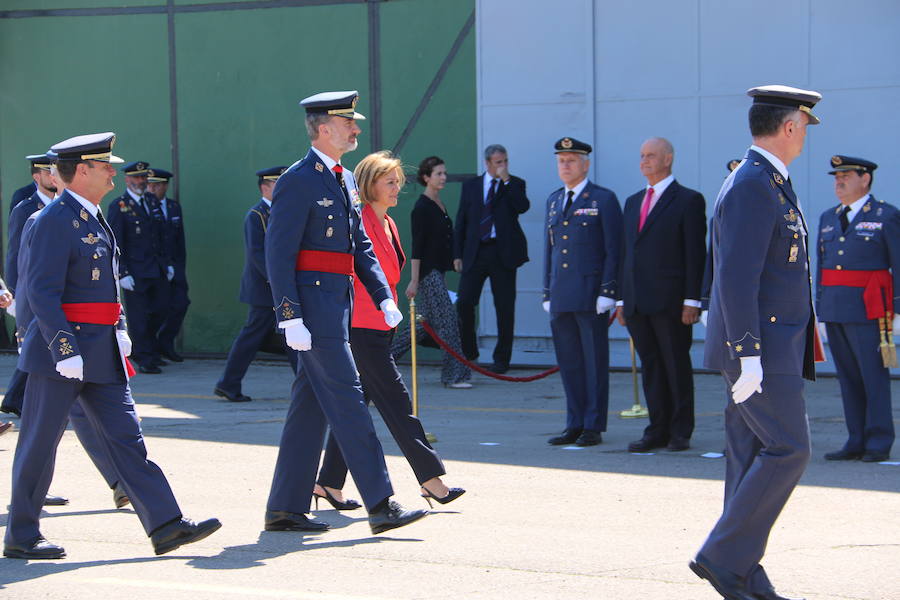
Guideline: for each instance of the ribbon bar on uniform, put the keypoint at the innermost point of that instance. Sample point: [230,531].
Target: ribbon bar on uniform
[325,262]
[879,288]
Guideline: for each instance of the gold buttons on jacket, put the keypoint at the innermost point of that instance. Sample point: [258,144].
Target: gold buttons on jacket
[796,235]
[565,222]
[773,318]
[318,282]
[565,237]
[565,265]
[839,267]
[841,252]
[565,251]
[841,239]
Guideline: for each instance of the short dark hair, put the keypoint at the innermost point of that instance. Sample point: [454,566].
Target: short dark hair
[66,169]
[427,166]
[871,179]
[765,119]
[35,169]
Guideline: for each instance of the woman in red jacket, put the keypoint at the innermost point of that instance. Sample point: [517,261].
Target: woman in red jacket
[380,177]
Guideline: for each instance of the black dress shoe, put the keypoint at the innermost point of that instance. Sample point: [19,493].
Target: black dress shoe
[179,532]
[172,355]
[120,496]
[282,520]
[391,516]
[566,437]
[771,594]
[499,368]
[149,369]
[678,445]
[728,584]
[38,549]
[11,410]
[843,455]
[158,362]
[645,445]
[589,437]
[231,397]
[55,501]
[875,456]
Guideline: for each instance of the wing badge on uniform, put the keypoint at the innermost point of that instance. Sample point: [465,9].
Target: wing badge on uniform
[325,202]
[90,239]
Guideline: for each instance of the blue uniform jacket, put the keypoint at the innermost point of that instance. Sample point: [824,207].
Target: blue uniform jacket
[581,251]
[140,237]
[309,213]
[255,288]
[22,193]
[24,314]
[871,243]
[761,301]
[17,219]
[173,238]
[68,262]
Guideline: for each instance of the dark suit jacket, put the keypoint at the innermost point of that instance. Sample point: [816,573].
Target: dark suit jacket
[173,238]
[662,265]
[509,202]
[255,289]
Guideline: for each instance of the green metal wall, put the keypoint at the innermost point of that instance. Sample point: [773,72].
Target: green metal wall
[77,66]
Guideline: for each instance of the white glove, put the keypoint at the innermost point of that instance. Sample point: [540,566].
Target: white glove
[392,314]
[703,316]
[896,324]
[604,304]
[11,309]
[546,305]
[823,332]
[72,367]
[124,342]
[127,283]
[170,272]
[297,336]
[750,380]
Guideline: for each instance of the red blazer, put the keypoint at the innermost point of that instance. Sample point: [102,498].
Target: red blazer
[365,314]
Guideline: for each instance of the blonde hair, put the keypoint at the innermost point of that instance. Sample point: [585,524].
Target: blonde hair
[374,167]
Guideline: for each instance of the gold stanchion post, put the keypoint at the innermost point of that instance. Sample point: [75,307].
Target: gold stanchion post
[413,326]
[636,411]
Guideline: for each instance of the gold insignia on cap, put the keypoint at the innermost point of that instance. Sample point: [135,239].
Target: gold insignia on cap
[778,178]
[836,161]
[320,167]
[95,274]
[566,143]
[83,214]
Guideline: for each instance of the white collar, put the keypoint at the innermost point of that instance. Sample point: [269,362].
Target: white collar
[132,194]
[46,200]
[577,189]
[267,201]
[329,162]
[661,186]
[855,207]
[87,204]
[776,162]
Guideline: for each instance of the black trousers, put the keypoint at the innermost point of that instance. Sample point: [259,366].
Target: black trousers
[383,385]
[664,343]
[503,286]
[173,315]
[144,309]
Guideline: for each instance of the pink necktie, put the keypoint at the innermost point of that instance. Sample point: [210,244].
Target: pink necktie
[645,207]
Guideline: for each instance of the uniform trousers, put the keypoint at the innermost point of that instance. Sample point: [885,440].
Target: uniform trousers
[326,391]
[144,307]
[865,385]
[259,326]
[582,352]
[383,385]
[15,392]
[767,450]
[109,409]
[433,303]
[664,345]
[173,315]
[488,264]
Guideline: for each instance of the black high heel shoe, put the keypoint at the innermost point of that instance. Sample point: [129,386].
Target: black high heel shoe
[452,495]
[335,503]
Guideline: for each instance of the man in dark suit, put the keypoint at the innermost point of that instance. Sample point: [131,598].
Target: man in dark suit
[489,243]
[255,292]
[761,336]
[659,293]
[172,316]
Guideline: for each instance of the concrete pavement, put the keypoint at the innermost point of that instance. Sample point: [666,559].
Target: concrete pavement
[537,522]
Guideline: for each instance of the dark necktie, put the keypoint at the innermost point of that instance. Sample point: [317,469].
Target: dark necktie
[106,228]
[487,213]
[569,195]
[339,174]
[845,222]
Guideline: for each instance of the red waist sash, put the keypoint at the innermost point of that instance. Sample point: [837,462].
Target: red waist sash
[878,293]
[97,313]
[325,262]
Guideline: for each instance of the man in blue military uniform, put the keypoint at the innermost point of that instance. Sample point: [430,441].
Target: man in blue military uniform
[44,193]
[145,269]
[26,191]
[857,299]
[582,243]
[75,348]
[761,337]
[172,316]
[315,245]
[256,292]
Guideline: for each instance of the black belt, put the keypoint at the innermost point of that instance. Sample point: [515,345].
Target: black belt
[489,241]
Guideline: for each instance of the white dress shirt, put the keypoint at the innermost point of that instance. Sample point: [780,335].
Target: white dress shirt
[856,207]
